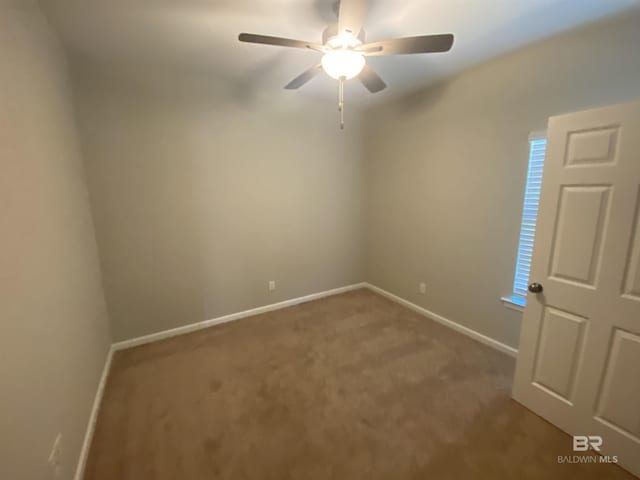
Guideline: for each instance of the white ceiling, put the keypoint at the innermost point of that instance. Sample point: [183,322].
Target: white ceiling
[202,34]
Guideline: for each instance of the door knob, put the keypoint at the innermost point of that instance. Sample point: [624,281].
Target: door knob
[535,288]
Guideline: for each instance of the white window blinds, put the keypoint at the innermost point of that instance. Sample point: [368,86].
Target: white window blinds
[537,149]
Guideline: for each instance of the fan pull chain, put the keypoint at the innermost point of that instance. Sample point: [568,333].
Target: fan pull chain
[341,101]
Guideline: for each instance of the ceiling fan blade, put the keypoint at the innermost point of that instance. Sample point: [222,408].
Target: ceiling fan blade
[408,45]
[306,76]
[278,41]
[351,16]
[371,80]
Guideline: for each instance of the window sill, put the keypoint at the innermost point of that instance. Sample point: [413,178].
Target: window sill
[510,304]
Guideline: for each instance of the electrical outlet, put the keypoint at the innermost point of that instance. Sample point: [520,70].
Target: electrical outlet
[272,285]
[423,288]
[54,456]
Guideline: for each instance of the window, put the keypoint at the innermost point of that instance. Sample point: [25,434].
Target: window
[537,149]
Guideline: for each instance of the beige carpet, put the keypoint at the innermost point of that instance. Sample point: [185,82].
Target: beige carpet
[348,387]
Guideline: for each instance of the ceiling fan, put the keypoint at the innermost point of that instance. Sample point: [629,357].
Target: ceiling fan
[344,49]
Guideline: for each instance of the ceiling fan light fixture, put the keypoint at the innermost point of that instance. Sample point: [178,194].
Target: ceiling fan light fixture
[345,47]
[343,63]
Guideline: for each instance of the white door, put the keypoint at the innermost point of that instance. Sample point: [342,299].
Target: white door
[579,358]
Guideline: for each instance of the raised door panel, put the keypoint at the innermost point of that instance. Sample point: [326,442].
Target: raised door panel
[577,246]
[631,286]
[592,147]
[558,354]
[619,402]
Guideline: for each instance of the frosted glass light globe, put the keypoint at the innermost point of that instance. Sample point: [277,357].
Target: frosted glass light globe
[343,63]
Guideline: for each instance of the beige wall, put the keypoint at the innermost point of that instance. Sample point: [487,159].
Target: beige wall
[54,332]
[204,191]
[447,166]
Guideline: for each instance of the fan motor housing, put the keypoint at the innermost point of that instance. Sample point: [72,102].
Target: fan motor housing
[332,31]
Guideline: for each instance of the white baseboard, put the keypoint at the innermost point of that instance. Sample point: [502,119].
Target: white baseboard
[504,348]
[192,327]
[88,436]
